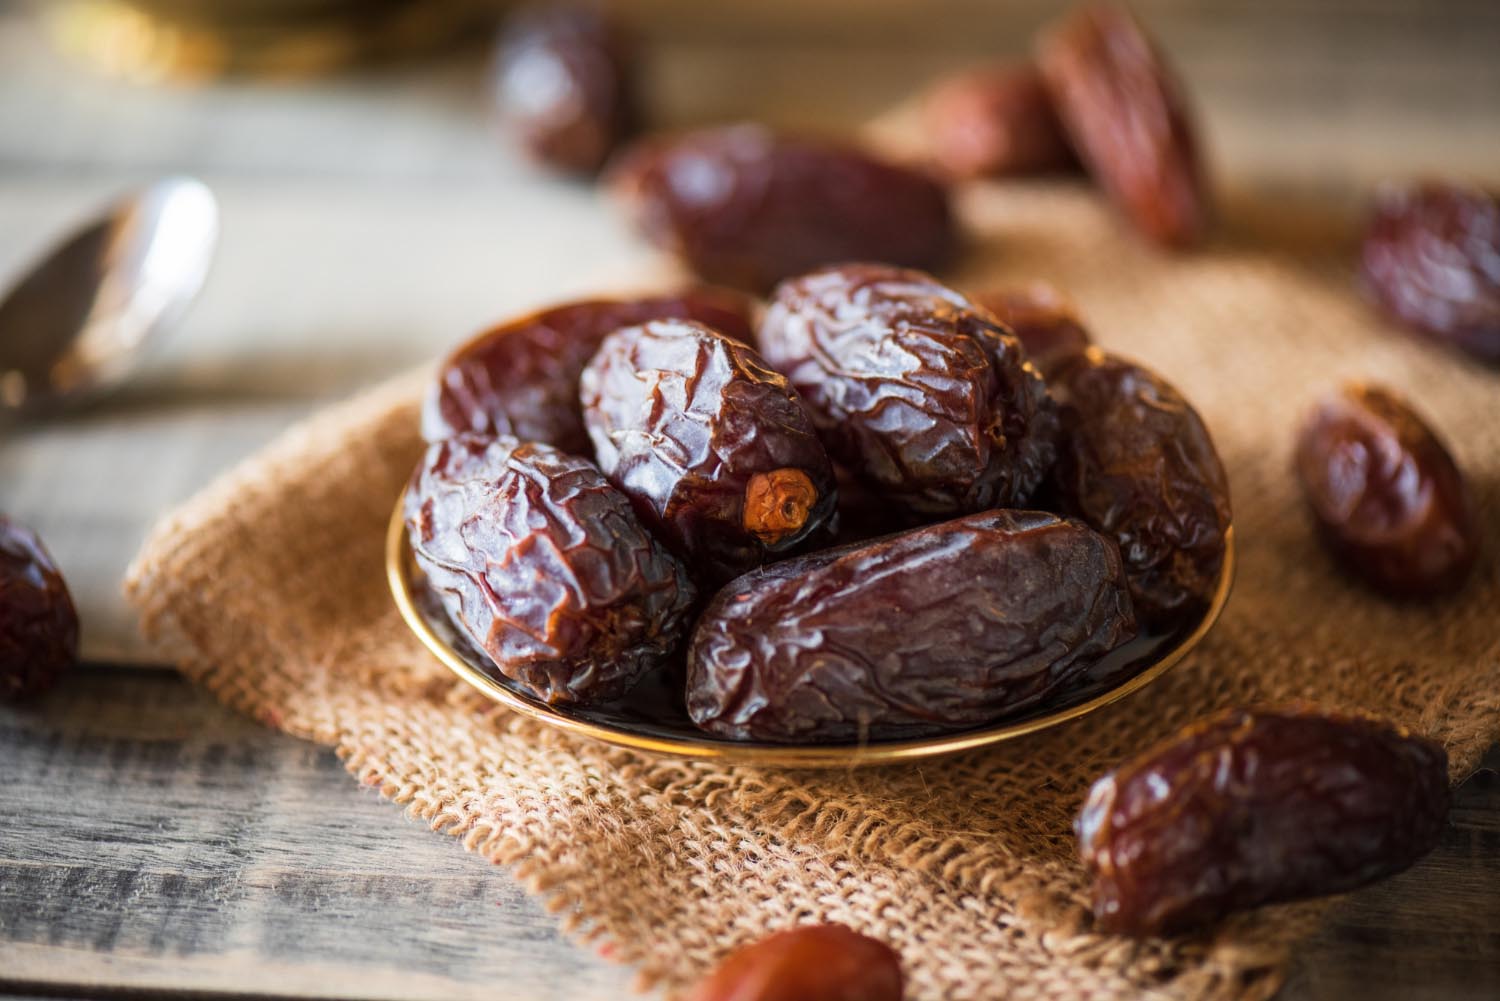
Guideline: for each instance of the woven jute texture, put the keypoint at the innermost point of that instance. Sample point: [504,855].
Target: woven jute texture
[268,588]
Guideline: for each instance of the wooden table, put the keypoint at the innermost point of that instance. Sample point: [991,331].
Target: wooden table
[153,844]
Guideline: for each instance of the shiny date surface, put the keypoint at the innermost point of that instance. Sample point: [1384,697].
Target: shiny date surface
[711,445]
[937,628]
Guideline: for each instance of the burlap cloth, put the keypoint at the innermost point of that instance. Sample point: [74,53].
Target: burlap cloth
[269,589]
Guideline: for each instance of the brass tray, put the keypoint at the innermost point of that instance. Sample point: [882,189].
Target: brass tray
[642,721]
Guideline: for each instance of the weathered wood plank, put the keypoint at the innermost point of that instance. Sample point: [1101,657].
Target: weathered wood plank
[154,845]
[155,842]
[316,293]
[371,222]
[1357,89]
[1430,934]
[152,840]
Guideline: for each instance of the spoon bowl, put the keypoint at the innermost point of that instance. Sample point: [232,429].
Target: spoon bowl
[76,324]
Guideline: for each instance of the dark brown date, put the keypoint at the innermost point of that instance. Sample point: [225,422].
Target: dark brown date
[564,83]
[1124,111]
[1388,499]
[996,121]
[811,963]
[913,388]
[544,566]
[521,377]
[1137,464]
[746,207]
[38,624]
[938,628]
[1043,321]
[710,444]
[1250,808]
[1431,258]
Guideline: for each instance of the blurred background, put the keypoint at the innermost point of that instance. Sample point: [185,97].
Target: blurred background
[374,214]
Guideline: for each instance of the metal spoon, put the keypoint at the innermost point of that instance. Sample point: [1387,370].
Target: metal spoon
[74,326]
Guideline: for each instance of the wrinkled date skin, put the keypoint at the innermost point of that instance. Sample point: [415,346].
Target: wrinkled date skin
[1137,464]
[545,567]
[1251,808]
[811,963]
[1431,258]
[38,624]
[710,443]
[938,628]
[1388,499]
[996,121]
[521,378]
[565,84]
[912,387]
[1043,321]
[1124,112]
[746,207]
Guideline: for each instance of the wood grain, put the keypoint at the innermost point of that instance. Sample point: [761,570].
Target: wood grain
[154,845]
[370,222]
[153,841]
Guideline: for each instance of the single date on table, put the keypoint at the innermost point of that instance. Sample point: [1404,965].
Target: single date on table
[1388,499]
[1254,807]
[38,624]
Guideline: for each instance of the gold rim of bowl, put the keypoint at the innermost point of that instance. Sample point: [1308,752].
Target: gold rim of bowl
[401,570]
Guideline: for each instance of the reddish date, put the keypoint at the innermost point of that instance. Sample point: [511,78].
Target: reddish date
[1251,808]
[913,388]
[38,624]
[1388,499]
[1431,258]
[565,84]
[710,444]
[996,121]
[938,628]
[1137,464]
[1125,114]
[746,207]
[1043,321]
[544,566]
[521,377]
[811,963]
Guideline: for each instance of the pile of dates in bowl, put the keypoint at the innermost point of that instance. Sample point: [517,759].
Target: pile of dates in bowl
[873,508]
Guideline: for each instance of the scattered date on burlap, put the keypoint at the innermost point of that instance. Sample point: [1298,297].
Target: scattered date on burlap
[268,588]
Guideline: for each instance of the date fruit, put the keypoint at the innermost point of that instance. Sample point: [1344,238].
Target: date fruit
[938,628]
[1124,111]
[1249,808]
[996,121]
[564,83]
[746,207]
[1388,499]
[1043,321]
[544,566]
[1431,258]
[912,387]
[812,963]
[38,623]
[1137,464]
[521,377]
[710,444]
